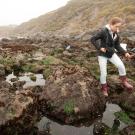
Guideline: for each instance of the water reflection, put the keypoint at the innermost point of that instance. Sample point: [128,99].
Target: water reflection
[57,129]
[109,120]
[39,81]
[108,116]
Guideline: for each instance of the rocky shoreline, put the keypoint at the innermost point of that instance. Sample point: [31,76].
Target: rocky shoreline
[71,93]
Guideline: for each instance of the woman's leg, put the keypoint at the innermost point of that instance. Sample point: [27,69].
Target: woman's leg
[103,73]
[122,71]
[119,64]
[103,68]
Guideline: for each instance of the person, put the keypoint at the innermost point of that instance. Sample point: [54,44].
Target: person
[107,43]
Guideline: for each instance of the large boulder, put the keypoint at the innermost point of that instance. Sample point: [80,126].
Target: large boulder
[71,94]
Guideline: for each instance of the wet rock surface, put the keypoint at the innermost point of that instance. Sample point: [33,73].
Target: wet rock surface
[71,94]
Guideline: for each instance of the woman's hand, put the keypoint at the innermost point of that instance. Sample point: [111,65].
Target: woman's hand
[127,55]
[103,50]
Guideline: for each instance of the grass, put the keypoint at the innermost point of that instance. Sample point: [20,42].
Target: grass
[94,70]
[57,51]
[47,72]
[90,54]
[130,70]
[130,9]
[28,68]
[69,107]
[107,131]
[124,117]
[73,62]
[11,111]
[7,61]
[50,60]
[112,69]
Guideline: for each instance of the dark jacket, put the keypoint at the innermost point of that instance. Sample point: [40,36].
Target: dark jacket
[103,39]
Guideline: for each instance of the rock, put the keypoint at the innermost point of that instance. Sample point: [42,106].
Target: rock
[14,79]
[67,54]
[33,78]
[100,128]
[130,130]
[71,95]
[124,98]
[5,85]
[32,67]
[18,84]
[129,40]
[12,105]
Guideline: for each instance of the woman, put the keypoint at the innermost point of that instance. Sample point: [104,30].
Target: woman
[109,42]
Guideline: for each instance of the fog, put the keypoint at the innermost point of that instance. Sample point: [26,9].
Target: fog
[19,11]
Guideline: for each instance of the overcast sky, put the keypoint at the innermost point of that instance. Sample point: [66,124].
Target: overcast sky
[18,11]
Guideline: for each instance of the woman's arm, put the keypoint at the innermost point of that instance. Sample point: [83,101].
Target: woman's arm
[121,50]
[118,47]
[94,39]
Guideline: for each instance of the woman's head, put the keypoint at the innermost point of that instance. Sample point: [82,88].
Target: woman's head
[115,24]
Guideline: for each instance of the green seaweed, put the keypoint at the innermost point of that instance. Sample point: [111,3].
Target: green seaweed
[69,107]
[123,116]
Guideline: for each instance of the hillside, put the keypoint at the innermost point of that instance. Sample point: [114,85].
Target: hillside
[79,17]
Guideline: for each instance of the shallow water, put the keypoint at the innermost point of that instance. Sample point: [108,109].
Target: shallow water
[40,81]
[109,116]
[58,129]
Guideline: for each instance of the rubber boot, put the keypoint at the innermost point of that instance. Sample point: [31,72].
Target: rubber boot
[125,83]
[104,89]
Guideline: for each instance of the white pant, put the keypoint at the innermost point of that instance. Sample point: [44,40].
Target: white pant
[103,66]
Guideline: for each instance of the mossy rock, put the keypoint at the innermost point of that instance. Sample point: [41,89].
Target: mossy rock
[28,68]
[8,61]
[14,79]
[57,51]
[32,67]
[33,78]
[50,60]
[47,72]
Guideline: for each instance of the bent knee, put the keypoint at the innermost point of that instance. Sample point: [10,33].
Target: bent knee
[121,66]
